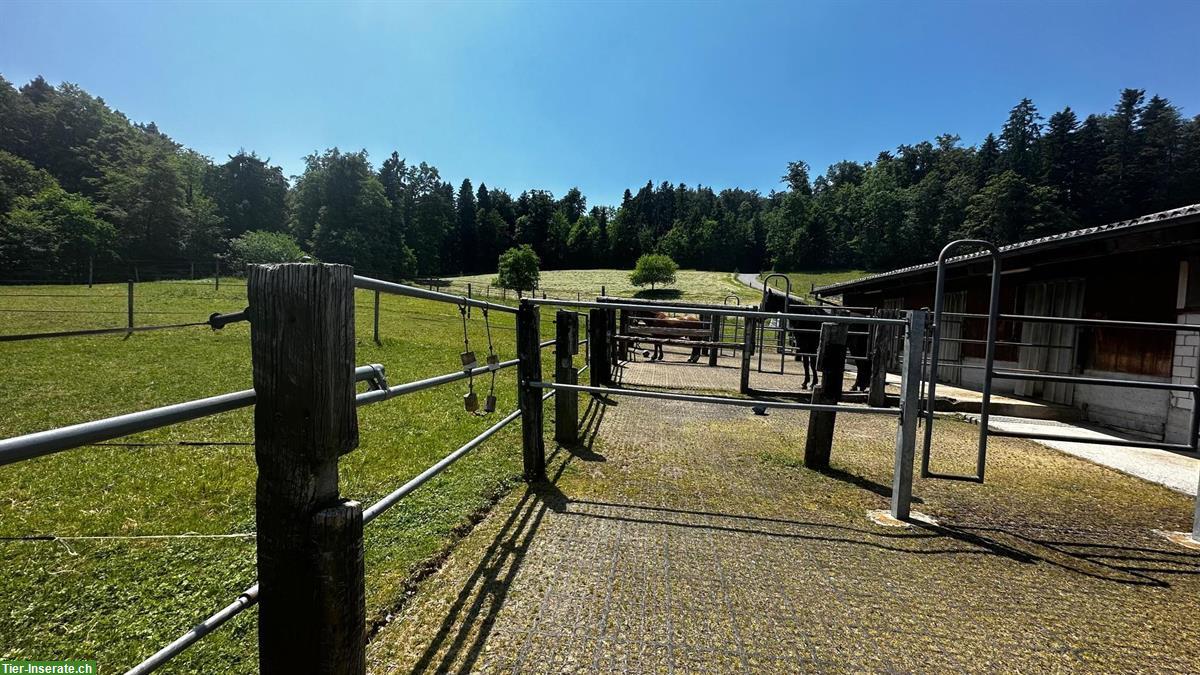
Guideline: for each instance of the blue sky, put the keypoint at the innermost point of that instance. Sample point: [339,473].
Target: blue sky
[600,95]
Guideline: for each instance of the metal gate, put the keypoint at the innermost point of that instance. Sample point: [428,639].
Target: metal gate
[1043,335]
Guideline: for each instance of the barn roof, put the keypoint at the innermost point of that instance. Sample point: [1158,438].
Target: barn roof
[1170,217]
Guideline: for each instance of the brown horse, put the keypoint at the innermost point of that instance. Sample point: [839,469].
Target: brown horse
[662,320]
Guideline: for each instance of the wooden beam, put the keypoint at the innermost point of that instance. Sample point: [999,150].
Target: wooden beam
[831,362]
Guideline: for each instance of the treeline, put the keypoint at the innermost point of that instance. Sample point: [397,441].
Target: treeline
[80,181]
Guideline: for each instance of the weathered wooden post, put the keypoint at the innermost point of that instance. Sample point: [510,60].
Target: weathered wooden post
[91,268]
[831,363]
[882,351]
[715,337]
[217,275]
[529,369]
[614,354]
[910,412]
[312,615]
[566,403]
[376,327]
[624,348]
[598,347]
[747,351]
[129,308]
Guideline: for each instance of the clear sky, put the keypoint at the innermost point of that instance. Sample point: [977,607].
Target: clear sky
[602,95]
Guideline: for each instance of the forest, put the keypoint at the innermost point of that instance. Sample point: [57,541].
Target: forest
[80,182]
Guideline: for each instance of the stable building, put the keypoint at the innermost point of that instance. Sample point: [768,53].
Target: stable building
[1145,269]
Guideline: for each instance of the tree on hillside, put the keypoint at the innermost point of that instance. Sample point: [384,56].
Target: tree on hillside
[1010,208]
[260,247]
[1019,139]
[653,269]
[250,194]
[468,237]
[53,231]
[343,212]
[518,269]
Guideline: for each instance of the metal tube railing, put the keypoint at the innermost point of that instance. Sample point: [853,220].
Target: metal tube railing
[413,292]
[247,599]
[1106,323]
[42,443]
[717,400]
[1089,439]
[378,508]
[377,395]
[1098,381]
[723,311]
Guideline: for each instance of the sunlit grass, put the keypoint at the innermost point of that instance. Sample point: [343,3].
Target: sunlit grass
[694,285]
[119,600]
[804,282]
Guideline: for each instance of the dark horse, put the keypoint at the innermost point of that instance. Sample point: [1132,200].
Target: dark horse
[804,336]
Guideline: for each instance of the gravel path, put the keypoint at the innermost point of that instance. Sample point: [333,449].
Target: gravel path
[689,538]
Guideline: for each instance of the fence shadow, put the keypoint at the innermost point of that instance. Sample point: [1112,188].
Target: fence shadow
[468,623]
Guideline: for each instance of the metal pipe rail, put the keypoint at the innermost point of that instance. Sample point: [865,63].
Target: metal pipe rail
[1103,323]
[724,310]
[413,292]
[1158,445]
[41,443]
[378,508]
[249,597]
[1098,381]
[1007,343]
[717,400]
[245,600]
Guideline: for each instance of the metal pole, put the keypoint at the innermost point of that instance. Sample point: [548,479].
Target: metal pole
[469,297]
[906,428]
[1194,442]
[91,265]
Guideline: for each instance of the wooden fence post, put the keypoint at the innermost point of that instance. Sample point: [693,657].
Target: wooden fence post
[883,348]
[566,403]
[91,268]
[715,336]
[129,308]
[311,616]
[377,341]
[747,351]
[529,369]
[614,354]
[217,275]
[598,347]
[831,363]
[624,348]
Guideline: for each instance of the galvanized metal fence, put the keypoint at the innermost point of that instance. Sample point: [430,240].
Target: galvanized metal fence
[991,373]
[310,549]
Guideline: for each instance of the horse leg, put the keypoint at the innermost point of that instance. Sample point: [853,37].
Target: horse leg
[658,352]
[815,375]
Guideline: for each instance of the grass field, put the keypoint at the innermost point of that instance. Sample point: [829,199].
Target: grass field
[804,282]
[88,570]
[691,285]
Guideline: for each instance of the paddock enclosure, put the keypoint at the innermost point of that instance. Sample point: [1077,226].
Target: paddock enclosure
[703,512]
